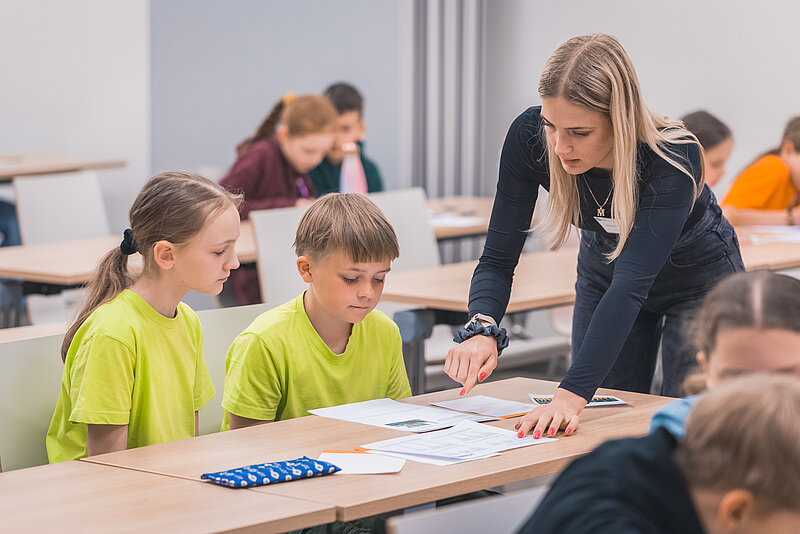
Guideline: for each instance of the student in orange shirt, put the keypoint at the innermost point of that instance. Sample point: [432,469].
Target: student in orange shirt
[768,190]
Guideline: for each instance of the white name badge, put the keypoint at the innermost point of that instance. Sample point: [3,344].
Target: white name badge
[608,224]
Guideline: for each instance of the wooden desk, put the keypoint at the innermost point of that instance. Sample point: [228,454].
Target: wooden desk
[88,497]
[542,279]
[468,207]
[29,164]
[361,495]
[74,262]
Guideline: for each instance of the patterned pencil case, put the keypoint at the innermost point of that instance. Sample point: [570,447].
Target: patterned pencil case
[271,473]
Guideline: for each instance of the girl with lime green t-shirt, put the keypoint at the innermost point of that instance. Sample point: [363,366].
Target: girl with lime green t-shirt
[134,372]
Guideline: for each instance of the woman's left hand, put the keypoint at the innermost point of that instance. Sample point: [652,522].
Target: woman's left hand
[564,410]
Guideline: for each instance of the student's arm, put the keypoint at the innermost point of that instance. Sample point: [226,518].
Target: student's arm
[252,385]
[237,421]
[749,217]
[107,438]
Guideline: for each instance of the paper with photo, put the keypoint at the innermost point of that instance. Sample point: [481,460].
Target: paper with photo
[465,441]
[388,413]
[597,400]
[362,463]
[484,405]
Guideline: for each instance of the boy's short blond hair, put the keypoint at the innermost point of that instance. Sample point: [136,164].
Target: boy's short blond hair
[348,223]
[745,434]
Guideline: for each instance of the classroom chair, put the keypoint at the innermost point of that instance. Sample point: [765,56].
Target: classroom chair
[60,207]
[503,514]
[220,327]
[30,379]
[53,208]
[277,262]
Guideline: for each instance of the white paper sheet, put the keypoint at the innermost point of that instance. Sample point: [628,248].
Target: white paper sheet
[597,400]
[465,441]
[768,234]
[455,221]
[361,463]
[484,405]
[388,413]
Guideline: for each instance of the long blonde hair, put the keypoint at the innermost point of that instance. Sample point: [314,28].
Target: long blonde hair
[172,206]
[593,71]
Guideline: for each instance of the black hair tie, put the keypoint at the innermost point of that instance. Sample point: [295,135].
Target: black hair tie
[127,246]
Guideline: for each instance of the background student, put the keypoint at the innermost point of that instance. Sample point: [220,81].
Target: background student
[767,191]
[717,142]
[749,323]
[653,239]
[328,346]
[736,471]
[350,129]
[273,164]
[134,372]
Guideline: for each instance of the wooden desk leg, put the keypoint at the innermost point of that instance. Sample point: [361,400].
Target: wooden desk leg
[415,327]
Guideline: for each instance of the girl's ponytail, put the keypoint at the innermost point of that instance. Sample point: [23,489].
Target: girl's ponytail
[302,115]
[110,279]
[267,127]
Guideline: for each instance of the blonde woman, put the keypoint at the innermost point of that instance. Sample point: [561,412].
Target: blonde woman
[653,239]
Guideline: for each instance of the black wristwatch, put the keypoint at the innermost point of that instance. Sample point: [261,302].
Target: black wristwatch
[475,327]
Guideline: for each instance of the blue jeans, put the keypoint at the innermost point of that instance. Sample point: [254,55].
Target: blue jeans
[704,255]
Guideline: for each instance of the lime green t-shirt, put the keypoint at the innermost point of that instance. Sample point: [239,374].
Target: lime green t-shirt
[130,365]
[279,367]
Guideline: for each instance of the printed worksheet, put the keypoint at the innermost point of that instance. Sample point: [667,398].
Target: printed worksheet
[465,441]
[388,413]
[484,405]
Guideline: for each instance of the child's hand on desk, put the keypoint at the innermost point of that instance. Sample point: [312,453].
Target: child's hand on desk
[472,361]
[564,410]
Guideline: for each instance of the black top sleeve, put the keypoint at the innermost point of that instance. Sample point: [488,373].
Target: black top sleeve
[523,168]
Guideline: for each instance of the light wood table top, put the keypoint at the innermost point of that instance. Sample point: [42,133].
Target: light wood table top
[74,262]
[30,164]
[471,209]
[362,495]
[542,279]
[86,497]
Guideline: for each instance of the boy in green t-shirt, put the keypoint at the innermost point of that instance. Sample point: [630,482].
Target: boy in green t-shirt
[328,346]
[350,129]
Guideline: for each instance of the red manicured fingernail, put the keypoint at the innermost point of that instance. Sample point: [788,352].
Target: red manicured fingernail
[537,435]
[481,377]
[551,432]
[568,432]
[462,392]
[521,435]
[516,427]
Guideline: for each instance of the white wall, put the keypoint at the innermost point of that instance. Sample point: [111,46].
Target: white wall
[218,67]
[737,59]
[75,81]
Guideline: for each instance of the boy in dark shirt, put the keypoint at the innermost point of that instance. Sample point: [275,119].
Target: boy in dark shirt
[736,471]
[350,129]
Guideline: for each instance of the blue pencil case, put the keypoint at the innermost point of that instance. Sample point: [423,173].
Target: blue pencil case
[271,473]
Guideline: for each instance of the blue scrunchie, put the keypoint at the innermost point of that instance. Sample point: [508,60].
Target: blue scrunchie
[271,473]
[476,328]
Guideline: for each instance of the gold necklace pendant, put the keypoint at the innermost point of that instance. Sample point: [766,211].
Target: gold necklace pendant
[601,212]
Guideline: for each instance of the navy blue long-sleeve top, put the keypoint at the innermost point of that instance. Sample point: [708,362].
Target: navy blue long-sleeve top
[667,208]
